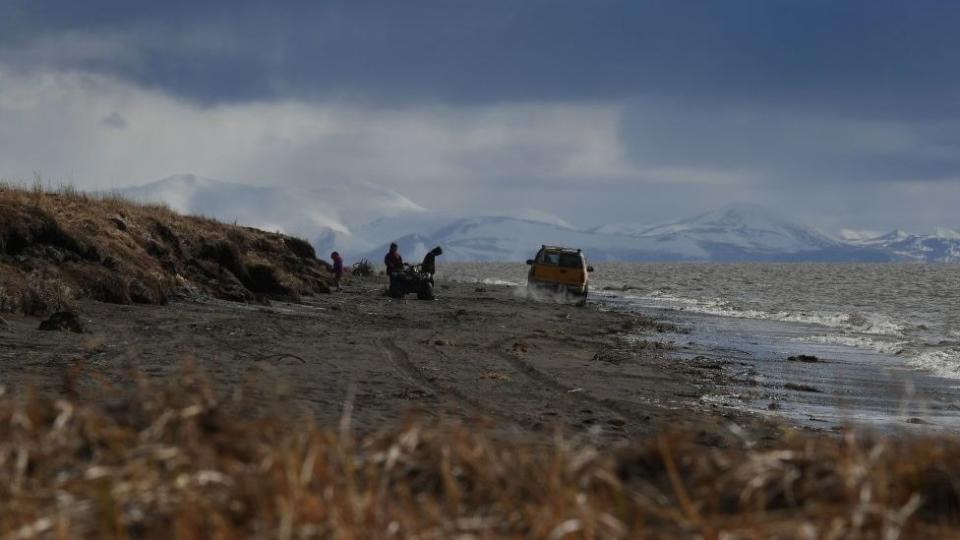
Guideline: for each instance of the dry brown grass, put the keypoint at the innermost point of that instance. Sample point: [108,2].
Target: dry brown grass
[56,246]
[175,460]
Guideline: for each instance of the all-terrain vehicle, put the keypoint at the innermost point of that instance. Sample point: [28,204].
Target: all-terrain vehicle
[561,272]
[412,280]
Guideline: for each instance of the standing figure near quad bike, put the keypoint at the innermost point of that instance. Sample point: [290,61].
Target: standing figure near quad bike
[429,264]
[392,260]
[394,263]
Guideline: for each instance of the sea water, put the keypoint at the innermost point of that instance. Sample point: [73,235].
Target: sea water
[896,316]
[908,310]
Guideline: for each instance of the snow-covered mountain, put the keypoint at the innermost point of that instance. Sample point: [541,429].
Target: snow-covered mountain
[262,207]
[747,227]
[360,219]
[319,213]
[733,233]
[496,238]
[943,246]
[744,232]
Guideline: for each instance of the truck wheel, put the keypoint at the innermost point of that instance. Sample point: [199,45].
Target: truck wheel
[583,298]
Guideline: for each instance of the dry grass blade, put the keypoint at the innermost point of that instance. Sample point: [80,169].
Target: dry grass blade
[57,246]
[172,458]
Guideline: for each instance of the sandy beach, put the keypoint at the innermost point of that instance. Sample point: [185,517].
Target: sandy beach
[477,351]
[221,402]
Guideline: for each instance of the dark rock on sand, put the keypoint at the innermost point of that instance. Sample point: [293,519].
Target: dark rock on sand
[63,320]
[809,358]
[141,293]
[801,387]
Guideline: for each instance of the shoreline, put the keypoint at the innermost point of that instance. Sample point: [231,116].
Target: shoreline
[476,352]
[899,309]
[825,386]
[479,351]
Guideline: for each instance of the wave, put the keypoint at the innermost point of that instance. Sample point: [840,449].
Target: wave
[862,323]
[942,362]
[858,342]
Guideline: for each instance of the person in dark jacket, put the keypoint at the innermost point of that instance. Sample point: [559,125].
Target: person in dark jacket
[393,261]
[337,269]
[429,265]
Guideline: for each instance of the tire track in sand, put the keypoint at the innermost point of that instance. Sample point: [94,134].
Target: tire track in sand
[401,360]
[571,394]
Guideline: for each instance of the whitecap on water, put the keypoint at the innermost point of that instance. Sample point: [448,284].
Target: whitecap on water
[865,323]
[859,342]
[943,362]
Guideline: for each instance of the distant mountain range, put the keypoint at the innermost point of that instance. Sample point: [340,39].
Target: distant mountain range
[944,246]
[321,215]
[361,219]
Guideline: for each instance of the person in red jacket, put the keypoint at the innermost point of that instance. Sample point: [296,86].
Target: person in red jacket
[393,260]
[337,269]
[394,263]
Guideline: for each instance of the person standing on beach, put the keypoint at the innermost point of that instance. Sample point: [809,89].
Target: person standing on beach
[429,264]
[337,269]
[392,260]
[394,263]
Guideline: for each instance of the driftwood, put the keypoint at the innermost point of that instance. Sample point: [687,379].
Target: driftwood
[363,268]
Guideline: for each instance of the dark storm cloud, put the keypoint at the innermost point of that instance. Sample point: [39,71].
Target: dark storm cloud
[872,58]
[780,144]
[599,110]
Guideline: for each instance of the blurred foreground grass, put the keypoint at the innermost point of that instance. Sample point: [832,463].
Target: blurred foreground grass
[173,459]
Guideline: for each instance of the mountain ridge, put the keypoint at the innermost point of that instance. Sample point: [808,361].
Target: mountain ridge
[360,219]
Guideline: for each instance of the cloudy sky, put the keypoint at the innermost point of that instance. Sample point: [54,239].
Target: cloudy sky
[840,113]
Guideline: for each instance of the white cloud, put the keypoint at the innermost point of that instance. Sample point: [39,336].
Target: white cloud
[54,123]
[576,160]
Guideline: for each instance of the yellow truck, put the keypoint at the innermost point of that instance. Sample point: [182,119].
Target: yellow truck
[559,270]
